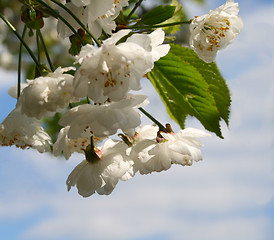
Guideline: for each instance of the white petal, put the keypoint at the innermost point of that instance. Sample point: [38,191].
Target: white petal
[13,90]
[23,132]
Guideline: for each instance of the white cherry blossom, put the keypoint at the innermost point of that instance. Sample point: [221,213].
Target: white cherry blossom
[111,71]
[102,23]
[48,94]
[69,145]
[215,30]
[159,153]
[62,29]
[105,120]
[152,43]
[97,7]
[23,132]
[103,19]
[146,132]
[144,137]
[97,15]
[102,174]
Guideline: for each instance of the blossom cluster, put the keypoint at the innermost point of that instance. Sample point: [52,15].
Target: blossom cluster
[98,15]
[149,151]
[96,99]
[106,75]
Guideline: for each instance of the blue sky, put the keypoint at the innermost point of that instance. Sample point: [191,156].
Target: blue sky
[228,195]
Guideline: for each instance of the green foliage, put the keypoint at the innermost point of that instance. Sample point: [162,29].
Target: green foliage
[178,16]
[158,15]
[173,107]
[188,86]
[52,127]
[212,76]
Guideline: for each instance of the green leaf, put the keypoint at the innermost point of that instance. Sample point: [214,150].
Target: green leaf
[158,15]
[178,16]
[217,85]
[173,108]
[190,87]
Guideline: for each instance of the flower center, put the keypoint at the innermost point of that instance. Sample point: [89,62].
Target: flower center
[214,34]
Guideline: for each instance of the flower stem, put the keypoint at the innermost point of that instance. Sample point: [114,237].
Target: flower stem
[90,152]
[158,25]
[88,101]
[161,127]
[91,142]
[62,19]
[19,63]
[78,21]
[125,139]
[38,47]
[21,40]
[134,9]
[45,50]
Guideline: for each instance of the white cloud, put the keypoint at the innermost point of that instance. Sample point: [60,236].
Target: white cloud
[175,203]
[142,212]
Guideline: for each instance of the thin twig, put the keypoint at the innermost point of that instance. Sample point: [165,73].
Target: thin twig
[133,10]
[38,47]
[52,68]
[19,64]
[158,26]
[22,41]
[161,127]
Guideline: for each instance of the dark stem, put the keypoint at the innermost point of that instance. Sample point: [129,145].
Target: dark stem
[52,68]
[38,47]
[19,63]
[88,101]
[159,25]
[161,127]
[91,142]
[21,40]
[134,9]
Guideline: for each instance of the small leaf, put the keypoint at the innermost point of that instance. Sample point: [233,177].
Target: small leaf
[178,16]
[172,107]
[212,76]
[158,15]
[190,87]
